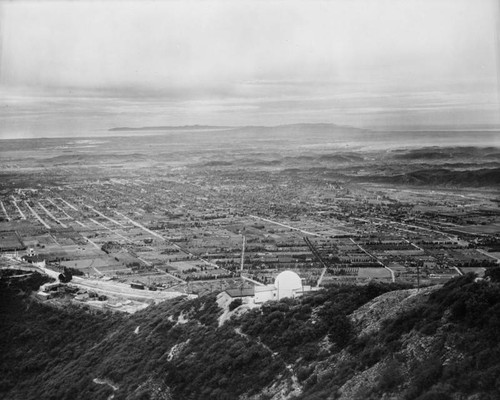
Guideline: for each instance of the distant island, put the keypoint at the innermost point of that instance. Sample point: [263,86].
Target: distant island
[169,128]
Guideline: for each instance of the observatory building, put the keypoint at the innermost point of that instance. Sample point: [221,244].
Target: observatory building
[286,284]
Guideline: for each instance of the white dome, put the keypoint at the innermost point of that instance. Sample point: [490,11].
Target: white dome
[286,283]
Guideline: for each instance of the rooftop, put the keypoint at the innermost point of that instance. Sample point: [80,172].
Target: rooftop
[240,292]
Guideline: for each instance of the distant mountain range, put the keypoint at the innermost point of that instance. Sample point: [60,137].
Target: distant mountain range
[288,127]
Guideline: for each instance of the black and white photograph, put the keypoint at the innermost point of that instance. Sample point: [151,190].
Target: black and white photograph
[250,200]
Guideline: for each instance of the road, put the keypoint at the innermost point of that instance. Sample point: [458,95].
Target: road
[109,288]
[4,211]
[285,226]
[323,272]
[111,230]
[251,280]
[394,223]
[37,216]
[51,215]
[50,272]
[393,275]
[112,288]
[69,205]
[104,216]
[414,245]
[59,208]
[22,268]
[137,224]
[81,224]
[489,255]
[170,275]
[18,209]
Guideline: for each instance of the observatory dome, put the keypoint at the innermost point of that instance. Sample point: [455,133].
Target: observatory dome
[286,283]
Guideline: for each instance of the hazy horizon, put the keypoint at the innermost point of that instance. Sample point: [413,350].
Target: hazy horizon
[71,69]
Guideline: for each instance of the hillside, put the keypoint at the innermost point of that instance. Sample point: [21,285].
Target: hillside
[448,152]
[349,342]
[444,177]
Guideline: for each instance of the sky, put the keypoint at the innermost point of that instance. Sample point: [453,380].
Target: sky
[78,68]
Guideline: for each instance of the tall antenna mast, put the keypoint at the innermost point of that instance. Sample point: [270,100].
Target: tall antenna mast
[243,253]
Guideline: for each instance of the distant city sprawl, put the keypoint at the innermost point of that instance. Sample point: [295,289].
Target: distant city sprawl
[155,223]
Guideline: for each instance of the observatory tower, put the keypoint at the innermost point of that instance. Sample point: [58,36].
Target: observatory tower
[287,284]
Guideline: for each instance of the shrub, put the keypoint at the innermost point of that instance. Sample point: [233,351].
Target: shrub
[390,376]
[341,331]
[493,274]
[235,304]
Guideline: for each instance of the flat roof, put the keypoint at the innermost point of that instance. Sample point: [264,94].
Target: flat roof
[240,292]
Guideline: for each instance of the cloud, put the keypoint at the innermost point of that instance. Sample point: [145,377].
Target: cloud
[192,44]
[91,65]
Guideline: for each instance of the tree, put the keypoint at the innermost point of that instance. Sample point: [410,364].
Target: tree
[66,276]
[235,304]
[340,331]
[493,274]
